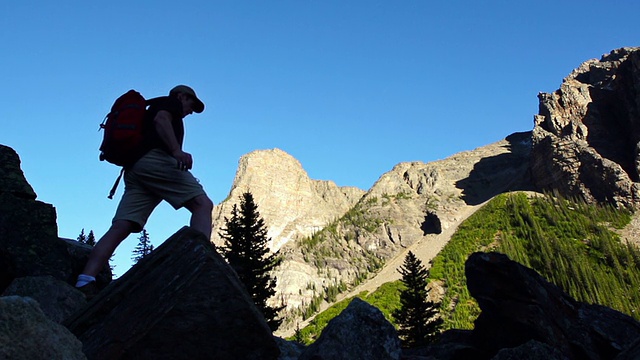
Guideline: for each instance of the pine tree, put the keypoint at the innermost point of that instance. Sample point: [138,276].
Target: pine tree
[91,239]
[82,238]
[143,248]
[416,316]
[245,249]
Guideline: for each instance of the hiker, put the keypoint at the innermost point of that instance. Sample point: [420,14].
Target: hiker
[161,173]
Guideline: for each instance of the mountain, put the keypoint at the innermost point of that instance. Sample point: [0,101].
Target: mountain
[584,144]
[334,238]
[586,137]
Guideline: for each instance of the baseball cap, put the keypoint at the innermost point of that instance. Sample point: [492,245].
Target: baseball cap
[198,106]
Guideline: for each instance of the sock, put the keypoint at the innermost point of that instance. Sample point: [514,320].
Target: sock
[84,280]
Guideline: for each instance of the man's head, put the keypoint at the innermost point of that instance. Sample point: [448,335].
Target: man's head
[190,102]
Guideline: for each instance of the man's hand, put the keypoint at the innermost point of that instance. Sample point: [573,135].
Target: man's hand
[164,129]
[185,161]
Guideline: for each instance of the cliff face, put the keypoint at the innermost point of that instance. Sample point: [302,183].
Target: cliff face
[586,138]
[292,204]
[332,237]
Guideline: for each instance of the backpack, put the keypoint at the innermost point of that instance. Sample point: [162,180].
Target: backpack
[123,135]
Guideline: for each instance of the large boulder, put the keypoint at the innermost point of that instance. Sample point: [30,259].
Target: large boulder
[182,301]
[27,334]
[359,332]
[29,243]
[518,306]
[586,137]
[57,299]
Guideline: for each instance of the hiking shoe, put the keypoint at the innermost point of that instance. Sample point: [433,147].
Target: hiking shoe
[90,290]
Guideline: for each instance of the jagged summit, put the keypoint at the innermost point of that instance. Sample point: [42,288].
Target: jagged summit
[292,204]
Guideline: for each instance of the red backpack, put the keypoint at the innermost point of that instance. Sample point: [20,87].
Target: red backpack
[123,136]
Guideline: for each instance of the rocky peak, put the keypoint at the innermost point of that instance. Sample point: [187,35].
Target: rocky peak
[292,204]
[586,137]
[12,178]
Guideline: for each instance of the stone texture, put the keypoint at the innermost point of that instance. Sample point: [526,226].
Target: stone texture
[292,204]
[27,334]
[57,299]
[411,203]
[518,305]
[180,302]
[586,137]
[29,243]
[359,332]
[12,178]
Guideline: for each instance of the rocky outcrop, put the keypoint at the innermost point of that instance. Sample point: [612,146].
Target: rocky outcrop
[292,204]
[27,334]
[182,301]
[414,202]
[586,137]
[29,243]
[521,312]
[359,332]
[57,299]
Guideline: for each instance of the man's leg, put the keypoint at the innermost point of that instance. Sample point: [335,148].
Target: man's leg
[105,247]
[201,207]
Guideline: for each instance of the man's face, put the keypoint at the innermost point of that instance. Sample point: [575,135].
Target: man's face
[188,103]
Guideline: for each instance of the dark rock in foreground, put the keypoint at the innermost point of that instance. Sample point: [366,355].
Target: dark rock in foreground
[526,317]
[359,332]
[29,243]
[180,302]
[26,333]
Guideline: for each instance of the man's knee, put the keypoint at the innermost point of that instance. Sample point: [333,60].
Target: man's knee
[200,203]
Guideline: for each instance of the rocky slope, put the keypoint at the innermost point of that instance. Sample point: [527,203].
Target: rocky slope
[292,204]
[586,139]
[584,144]
[334,238]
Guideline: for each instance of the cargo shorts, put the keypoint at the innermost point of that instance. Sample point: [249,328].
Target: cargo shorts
[153,178]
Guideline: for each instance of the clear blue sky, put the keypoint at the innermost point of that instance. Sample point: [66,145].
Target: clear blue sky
[349,88]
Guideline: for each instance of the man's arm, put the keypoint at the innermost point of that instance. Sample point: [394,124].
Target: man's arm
[162,123]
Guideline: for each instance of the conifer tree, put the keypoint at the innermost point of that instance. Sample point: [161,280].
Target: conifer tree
[91,239]
[416,316]
[143,248]
[82,238]
[245,249]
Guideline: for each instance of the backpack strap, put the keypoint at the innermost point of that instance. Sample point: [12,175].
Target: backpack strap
[115,185]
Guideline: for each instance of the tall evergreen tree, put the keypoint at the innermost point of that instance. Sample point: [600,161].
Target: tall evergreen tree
[143,248]
[91,239]
[82,238]
[416,316]
[245,249]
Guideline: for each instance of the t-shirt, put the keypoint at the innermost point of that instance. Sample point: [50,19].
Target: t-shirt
[174,107]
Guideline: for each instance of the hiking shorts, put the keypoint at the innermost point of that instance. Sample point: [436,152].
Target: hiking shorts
[153,178]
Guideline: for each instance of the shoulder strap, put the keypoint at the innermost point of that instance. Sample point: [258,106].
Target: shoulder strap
[115,185]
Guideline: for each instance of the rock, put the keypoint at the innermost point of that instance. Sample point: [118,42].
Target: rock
[518,306]
[289,350]
[359,332]
[531,350]
[291,204]
[631,353]
[29,243]
[12,178]
[586,137]
[57,299]
[182,301]
[26,333]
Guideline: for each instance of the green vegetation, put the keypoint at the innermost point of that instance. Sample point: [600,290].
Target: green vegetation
[569,243]
[336,246]
[417,318]
[386,298]
[245,249]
